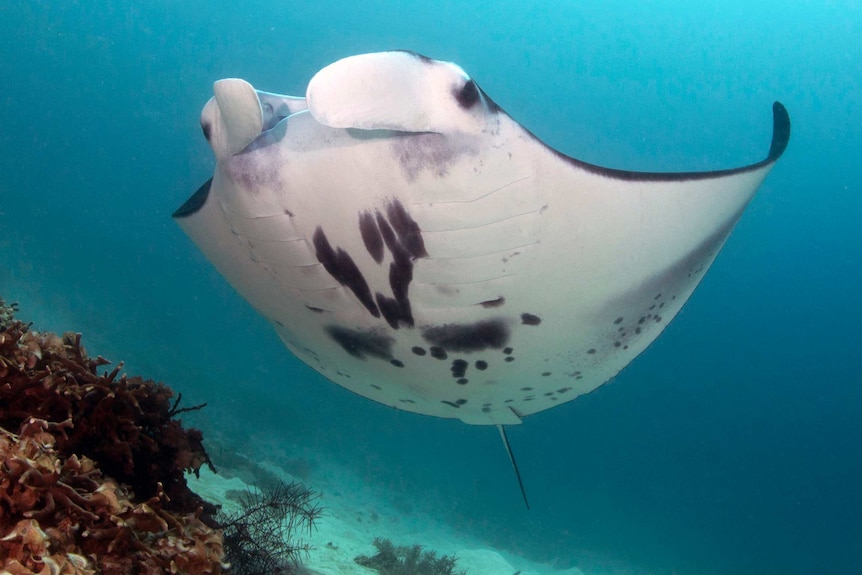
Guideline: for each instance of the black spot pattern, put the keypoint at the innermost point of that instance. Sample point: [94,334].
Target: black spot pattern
[403,238]
[371,236]
[481,365]
[400,234]
[396,310]
[418,350]
[459,368]
[341,266]
[497,302]
[362,344]
[530,319]
[635,328]
[477,336]
[438,352]
[409,234]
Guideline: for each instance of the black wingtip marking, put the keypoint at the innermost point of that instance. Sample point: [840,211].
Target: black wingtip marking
[421,57]
[780,139]
[780,131]
[195,202]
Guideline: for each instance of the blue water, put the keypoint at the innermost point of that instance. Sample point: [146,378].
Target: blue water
[732,445]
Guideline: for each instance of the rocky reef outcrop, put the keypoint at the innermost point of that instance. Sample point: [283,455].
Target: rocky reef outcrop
[92,466]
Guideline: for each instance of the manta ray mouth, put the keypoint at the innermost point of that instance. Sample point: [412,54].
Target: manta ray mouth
[274,108]
[271,119]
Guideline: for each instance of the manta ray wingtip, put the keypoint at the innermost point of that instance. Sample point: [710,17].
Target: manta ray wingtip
[780,131]
[195,201]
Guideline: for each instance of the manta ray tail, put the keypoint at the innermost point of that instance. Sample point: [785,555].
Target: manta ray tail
[514,463]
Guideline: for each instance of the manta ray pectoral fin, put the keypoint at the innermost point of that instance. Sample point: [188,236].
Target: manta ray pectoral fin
[233,118]
[399,91]
[415,244]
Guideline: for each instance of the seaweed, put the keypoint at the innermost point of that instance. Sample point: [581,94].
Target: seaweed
[407,560]
[261,539]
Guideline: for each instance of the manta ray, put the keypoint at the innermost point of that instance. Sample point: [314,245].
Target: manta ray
[414,244]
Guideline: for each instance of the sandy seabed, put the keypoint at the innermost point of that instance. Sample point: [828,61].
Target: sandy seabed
[347,528]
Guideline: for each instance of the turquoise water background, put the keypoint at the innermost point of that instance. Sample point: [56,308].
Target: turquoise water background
[732,445]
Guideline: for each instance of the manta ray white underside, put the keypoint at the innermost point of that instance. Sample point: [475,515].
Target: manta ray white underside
[413,243]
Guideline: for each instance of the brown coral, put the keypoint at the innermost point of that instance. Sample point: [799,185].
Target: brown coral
[126,424]
[93,480]
[72,519]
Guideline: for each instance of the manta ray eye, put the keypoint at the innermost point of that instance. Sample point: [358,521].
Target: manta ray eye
[468,95]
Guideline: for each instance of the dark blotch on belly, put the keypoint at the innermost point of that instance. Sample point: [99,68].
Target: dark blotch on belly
[341,266]
[459,368]
[371,236]
[438,352]
[362,344]
[530,319]
[477,336]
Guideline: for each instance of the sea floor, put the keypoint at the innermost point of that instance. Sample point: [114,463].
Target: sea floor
[355,513]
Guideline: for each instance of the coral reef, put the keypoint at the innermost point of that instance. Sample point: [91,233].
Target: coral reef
[72,519]
[407,560]
[92,482]
[261,538]
[127,425]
